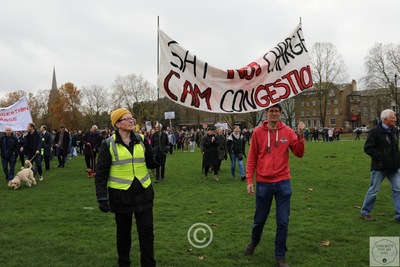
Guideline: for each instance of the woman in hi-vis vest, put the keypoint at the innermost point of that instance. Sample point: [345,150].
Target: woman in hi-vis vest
[124,194]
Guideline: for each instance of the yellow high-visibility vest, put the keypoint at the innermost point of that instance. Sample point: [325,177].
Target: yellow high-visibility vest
[125,167]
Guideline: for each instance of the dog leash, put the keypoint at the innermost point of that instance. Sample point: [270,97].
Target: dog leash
[32,158]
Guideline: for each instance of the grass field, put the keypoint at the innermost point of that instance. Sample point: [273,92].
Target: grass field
[57,223]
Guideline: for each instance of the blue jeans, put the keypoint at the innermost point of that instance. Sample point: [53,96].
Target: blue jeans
[9,163]
[376,180]
[265,193]
[234,157]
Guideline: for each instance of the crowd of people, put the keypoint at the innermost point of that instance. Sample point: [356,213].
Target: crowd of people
[120,161]
[42,147]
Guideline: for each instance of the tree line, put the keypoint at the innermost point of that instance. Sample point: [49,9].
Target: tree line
[79,108]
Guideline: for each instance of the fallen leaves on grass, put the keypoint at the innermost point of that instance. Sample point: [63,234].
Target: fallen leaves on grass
[325,243]
[202,257]
[381,214]
[209,212]
[357,206]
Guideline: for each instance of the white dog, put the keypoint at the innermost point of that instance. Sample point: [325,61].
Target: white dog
[25,175]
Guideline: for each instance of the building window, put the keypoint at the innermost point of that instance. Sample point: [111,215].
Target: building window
[313,103]
[332,121]
[351,98]
[302,113]
[336,111]
[335,101]
[302,103]
[315,123]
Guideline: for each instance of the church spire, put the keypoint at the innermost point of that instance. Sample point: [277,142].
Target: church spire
[54,85]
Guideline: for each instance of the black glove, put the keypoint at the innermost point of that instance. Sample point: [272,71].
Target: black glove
[103,206]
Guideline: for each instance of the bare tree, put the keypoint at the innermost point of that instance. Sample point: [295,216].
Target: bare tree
[289,111]
[382,63]
[132,89]
[95,101]
[328,68]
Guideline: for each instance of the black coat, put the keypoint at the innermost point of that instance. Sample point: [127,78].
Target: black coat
[136,198]
[8,146]
[94,139]
[210,150]
[33,143]
[65,142]
[382,147]
[46,143]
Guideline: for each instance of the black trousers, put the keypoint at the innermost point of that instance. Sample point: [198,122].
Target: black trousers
[91,161]
[144,225]
[47,162]
[162,170]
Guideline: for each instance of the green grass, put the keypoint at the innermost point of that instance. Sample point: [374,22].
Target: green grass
[51,225]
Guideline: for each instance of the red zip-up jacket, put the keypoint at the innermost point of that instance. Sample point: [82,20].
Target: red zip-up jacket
[269,153]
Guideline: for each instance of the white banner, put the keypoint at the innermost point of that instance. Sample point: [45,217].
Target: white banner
[279,74]
[169,115]
[16,116]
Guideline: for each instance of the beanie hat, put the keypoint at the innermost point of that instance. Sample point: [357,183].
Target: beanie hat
[117,114]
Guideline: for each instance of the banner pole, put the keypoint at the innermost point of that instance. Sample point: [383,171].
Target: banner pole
[158,67]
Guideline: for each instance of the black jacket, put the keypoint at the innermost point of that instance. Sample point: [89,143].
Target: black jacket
[8,146]
[136,198]
[382,147]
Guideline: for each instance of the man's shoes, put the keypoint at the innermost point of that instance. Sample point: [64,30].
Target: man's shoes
[41,178]
[282,263]
[242,178]
[249,249]
[367,217]
[397,220]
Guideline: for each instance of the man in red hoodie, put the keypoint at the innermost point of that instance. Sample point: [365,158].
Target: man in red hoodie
[268,158]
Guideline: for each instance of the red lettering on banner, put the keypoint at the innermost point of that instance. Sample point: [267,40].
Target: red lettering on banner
[253,67]
[188,89]
[267,94]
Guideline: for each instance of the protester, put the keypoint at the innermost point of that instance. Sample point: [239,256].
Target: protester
[382,145]
[222,148]
[268,158]
[210,152]
[236,147]
[92,141]
[46,146]
[8,147]
[21,142]
[171,141]
[160,144]
[32,148]
[125,188]
[61,142]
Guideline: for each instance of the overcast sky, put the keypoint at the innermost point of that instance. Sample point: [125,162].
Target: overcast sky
[92,41]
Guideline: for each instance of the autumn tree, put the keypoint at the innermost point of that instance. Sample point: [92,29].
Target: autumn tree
[66,108]
[11,98]
[382,65]
[328,69]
